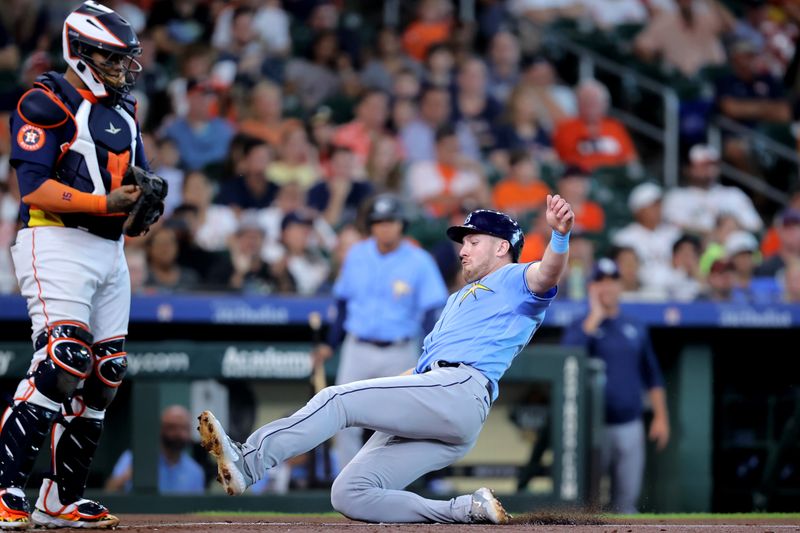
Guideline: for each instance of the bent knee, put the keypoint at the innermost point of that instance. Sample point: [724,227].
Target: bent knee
[349,496]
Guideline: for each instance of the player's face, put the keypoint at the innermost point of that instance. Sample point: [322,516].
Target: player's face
[387,233]
[480,255]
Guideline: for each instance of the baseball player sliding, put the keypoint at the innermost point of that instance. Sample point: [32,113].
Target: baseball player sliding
[431,416]
[75,141]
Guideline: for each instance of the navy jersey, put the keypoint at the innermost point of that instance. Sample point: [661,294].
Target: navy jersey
[80,142]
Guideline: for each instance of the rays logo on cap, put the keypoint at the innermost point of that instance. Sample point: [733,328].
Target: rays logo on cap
[30,137]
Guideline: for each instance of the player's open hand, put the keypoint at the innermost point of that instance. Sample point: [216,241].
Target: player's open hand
[559,214]
[122,198]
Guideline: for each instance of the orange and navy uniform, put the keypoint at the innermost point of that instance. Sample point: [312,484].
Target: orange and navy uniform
[70,150]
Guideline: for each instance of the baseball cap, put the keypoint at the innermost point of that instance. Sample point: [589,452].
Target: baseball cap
[574,171]
[720,265]
[703,153]
[604,268]
[249,221]
[198,85]
[738,242]
[296,217]
[790,217]
[644,195]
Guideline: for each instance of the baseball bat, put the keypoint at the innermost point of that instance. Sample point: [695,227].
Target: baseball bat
[318,382]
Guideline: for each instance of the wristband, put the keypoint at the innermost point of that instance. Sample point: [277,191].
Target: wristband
[559,242]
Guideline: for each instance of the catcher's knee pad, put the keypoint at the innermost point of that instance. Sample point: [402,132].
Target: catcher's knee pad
[69,360]
[111,364]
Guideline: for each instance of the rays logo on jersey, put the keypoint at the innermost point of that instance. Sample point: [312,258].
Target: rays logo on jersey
[473,290]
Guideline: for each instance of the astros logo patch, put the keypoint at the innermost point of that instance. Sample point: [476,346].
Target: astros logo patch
[30,138]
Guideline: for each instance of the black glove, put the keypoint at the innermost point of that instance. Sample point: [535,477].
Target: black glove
[150,205]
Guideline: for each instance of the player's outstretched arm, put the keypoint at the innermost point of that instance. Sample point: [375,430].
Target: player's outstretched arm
[544,275]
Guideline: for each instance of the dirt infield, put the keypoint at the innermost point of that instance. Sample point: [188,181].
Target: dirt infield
[538,524]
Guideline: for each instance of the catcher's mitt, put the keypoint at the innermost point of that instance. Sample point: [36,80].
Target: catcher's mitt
[150,205]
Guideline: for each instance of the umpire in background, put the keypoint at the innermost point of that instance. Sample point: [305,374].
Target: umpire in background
[388,295]
[631,368]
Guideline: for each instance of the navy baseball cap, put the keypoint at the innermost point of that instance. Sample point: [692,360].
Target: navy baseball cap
[605,268]
[296,217]
[493,223]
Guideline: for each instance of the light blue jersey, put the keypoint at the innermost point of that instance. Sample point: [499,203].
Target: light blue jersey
[487,323]
[388,294]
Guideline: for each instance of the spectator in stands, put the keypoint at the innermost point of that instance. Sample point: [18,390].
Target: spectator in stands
[164,274]
[546,11]
[339,197]
[321,129]
[686,39]
[301,259]
[695,207]
[607,14]
[296,158]
[749,94]
[649,235]
[384,167]
[719,283]
[788,228]
[405,85]
[521,130]
[419,137]
[291,198]
[251,189]
[195,64]
[176,25]
[791,282]
[474,106]
[316,78]
[178,473]
[215,223]
[740,250]
[504,63]
[684,282]
[241,58]
[270,25]
[631,368]
[432,26]
[370,122]
[440,62]
[201,139]
[262,118]
[521,191]
[9,209]
[185,221]
[574,186]
[26,25]
[725,224]
[592,139]
[555,101]
[442,185]
[167,167]
[381,71]
[242,269]
[628,265]
[136,258]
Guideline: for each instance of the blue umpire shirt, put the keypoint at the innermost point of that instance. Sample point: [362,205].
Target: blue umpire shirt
[387,295]
[487,323]
[631,365]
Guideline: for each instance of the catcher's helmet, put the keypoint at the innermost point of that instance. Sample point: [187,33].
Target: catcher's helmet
[386,207]
[491,223]
[95,28]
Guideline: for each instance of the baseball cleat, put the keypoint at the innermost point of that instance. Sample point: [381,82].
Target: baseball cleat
[51,513]
[487,509]
[15,511]
[231,471]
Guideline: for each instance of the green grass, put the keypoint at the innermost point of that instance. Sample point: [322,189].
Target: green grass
[703,516]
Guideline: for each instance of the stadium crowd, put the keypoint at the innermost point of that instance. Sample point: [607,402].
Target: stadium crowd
[275,122]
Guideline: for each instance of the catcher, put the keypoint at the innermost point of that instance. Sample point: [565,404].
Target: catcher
[76,146]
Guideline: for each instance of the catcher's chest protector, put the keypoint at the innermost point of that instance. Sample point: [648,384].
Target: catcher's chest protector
[99,145]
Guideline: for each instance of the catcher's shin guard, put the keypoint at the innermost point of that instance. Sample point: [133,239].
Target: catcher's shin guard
[25,425]
[76,435]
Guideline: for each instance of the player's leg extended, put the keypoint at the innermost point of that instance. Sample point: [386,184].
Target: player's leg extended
[77,431]
[421,406]
[62,358]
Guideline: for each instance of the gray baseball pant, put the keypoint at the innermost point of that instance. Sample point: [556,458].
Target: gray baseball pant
[423,422]
[360,361]
[623,460]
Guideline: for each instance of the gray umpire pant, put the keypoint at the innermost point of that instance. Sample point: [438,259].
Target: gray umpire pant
[422,422]
[361,360]
[623,460]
